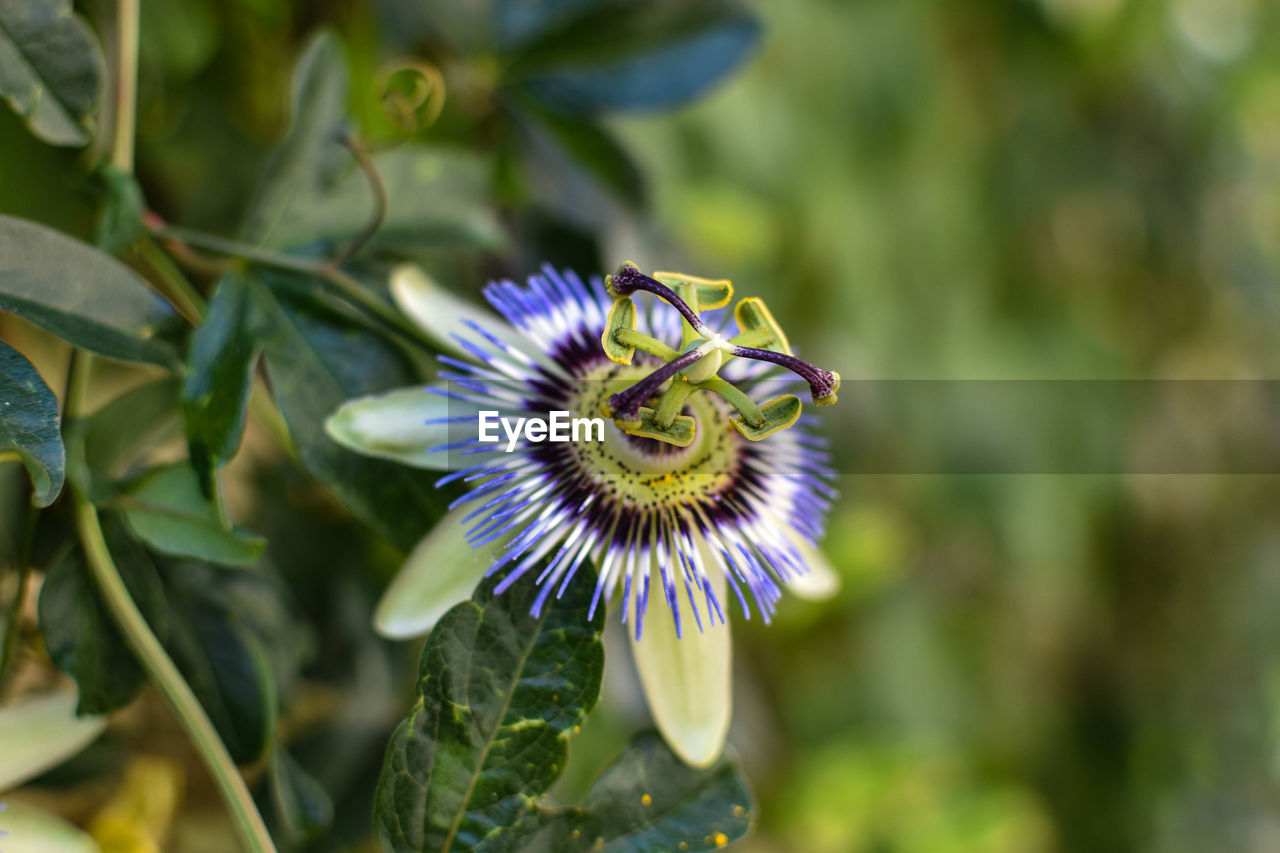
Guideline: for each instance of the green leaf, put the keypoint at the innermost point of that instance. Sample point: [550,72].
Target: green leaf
[117,434]
[435,197]
[51,69]
[41,731]
[167,510]
[637,55]
[80,294]
[120,223]
[498,691]
[305,808]
[649,801]
[221,659]
[316,360]
[219,380]
[310,155]
[29,424]
[81,636]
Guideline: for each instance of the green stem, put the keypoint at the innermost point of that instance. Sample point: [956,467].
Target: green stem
[171,283]
[155,660]
[126,80]
[344,284]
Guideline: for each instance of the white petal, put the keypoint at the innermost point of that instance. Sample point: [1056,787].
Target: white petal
[39,732]
[822,580]
[442,570]
[27,829]
[687,679]
[395,426]
[441,314]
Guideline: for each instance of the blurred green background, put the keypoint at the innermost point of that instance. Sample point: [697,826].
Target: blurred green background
[1028,189]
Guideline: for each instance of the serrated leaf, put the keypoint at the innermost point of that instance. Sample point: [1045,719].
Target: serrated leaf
[310,155]
[81,637]
[40,731]
[167,510]
[304,807]
[638,55]
[316,360]
[51,69]
[30,424]
[80,294]
[435,197]
[498,690]
[219,380]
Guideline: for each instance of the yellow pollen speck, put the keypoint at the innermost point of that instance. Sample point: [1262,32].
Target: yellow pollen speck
[738,811]
[684,845]
[577,729]
[721,839]
[577,833]
[555,768]
[647,800]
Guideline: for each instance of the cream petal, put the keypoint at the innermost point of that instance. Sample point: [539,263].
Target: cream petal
[41,731]
[442,314]
[822,581]
[25,828]
[442,570]
[686,679]
[403,426]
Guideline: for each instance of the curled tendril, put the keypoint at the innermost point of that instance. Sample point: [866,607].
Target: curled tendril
[412,93]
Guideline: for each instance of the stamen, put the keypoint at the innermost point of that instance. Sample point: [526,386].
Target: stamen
[822,383]
[628,279]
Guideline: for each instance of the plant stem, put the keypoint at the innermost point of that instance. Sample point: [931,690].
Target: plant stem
[344,284]
[126,81]
[171,283]
[155,660]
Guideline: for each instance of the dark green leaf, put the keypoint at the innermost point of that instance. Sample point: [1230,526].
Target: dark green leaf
[305,808]
[569,160]
[435,197]
[124,429]
[637,55]
[311,155]
[81,636]
[649,801]
[120,225]
[167,510]
[519,21]
[29,424]
[51,69]
[215,392]
[80,294]
[220,658]
[315,361]
[498,691]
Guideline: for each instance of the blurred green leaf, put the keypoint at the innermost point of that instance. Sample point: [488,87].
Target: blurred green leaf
[304,806]
[30,424]
[167,510]
[310,157]
[51,69]
[435,197]
[316,360]
[122,430]
[220,658]
[519,21]
[80,294]
[81,636]
[637,55]
[120,224]
[498,691]
[219,380]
